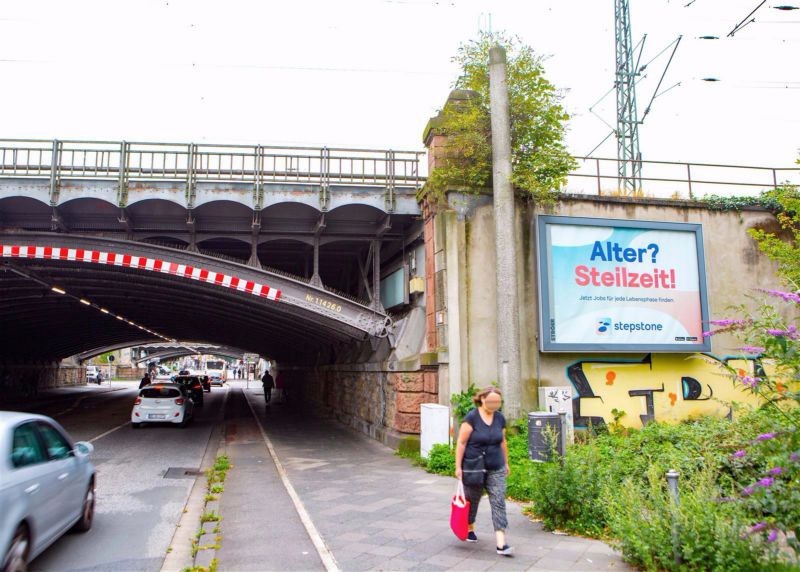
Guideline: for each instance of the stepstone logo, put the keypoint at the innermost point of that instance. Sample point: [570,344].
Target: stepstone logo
[603,326]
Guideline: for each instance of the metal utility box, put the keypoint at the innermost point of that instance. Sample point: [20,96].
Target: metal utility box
[434,427]
[540,423]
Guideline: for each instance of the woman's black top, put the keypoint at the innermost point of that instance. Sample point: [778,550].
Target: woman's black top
[488,437]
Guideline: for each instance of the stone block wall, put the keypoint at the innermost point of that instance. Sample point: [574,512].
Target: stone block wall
[384,405]
[129,372]
[24,381]
[412,389]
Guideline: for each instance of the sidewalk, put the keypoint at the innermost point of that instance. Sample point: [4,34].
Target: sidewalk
[377,512]
[260,527]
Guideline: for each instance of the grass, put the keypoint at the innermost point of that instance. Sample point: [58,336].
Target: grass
[215,476]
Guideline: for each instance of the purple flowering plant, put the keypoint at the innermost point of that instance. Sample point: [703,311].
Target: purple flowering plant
[766,467]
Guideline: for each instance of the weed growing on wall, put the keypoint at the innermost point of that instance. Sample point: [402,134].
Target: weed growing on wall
[540,161]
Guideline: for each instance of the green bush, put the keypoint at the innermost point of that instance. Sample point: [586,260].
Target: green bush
[712,534]
[462,403]
[441,460]
[612,485]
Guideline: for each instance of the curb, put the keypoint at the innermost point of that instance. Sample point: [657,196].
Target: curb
[179,554]
[210,539]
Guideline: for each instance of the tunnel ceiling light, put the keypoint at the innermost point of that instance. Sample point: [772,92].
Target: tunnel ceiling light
[711,79]
[708,37]
[30,276]
[786,7]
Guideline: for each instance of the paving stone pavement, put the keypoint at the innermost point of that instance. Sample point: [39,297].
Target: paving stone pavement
[376,511]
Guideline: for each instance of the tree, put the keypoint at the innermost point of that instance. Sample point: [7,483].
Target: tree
[785,250]
[540,161]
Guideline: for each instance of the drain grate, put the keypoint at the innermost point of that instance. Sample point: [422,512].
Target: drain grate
[182,473]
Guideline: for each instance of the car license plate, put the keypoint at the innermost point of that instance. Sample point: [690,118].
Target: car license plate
[156,416]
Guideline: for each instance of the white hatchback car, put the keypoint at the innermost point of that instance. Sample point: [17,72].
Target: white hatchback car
[162,403]
[46,486]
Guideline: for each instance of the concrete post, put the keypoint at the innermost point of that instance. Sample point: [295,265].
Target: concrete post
[508,359]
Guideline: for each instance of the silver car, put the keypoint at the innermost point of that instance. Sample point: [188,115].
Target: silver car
[46,487]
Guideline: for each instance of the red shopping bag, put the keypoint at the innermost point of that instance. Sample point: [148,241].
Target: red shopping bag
[459,513]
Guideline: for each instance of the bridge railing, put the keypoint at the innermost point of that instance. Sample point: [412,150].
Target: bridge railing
[137,161]
[132,161]
[669,179]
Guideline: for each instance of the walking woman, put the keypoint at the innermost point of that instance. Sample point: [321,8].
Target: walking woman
[483,432]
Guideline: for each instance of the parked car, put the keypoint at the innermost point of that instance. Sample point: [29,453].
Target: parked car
[162,403]
[91,373]
[193,385]
[46,486]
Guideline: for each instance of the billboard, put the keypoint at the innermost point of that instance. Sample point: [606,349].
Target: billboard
[609,285]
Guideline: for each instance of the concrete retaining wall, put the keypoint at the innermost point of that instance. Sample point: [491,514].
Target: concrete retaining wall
[734,269]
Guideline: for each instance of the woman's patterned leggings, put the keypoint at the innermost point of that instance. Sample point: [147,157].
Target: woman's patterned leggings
[496,488]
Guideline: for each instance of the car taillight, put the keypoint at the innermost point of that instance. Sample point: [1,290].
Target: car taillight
[179,401]
[138,401]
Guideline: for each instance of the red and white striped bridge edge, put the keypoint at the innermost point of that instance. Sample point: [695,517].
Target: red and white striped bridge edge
[141,263]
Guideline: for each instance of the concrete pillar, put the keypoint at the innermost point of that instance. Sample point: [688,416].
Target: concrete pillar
[508,358]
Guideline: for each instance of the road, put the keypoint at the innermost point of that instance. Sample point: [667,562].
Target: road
[137,507]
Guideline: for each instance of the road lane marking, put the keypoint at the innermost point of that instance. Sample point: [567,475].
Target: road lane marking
[110,431]
[316,538]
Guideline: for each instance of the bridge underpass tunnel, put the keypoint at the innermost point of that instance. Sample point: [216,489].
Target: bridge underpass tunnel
[305,256]
[68,296]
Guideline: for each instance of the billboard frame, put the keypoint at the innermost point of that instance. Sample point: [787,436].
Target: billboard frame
[545,295]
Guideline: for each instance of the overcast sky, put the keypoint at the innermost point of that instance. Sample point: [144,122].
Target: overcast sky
[369,73]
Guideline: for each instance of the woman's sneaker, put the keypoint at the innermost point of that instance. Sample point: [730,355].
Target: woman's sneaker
[472,537]
[506,550]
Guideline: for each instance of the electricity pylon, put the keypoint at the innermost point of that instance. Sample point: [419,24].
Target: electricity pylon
[629,158]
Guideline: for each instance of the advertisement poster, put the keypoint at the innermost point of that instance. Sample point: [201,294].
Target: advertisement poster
[615,285]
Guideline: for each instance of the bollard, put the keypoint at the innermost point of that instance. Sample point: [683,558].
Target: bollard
[562,417]
[672,484]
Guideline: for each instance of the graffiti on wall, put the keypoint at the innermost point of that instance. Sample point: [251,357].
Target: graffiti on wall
[666,387]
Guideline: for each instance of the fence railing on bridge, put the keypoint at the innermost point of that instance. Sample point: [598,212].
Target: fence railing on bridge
[260,164]
[132,161]
[668,179]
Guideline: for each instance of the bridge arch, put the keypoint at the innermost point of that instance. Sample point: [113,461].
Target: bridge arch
[166,292]
[226,246]
[95,213]
[26,212]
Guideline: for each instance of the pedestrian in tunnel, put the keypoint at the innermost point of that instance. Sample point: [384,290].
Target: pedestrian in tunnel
[483,451]
[145,381]
[280,386]
[268,383]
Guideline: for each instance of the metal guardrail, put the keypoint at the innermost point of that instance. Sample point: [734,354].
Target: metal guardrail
[596,175]
[130,161]
[259,164]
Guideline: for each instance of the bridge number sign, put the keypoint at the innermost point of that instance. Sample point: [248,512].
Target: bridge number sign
[608,285]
